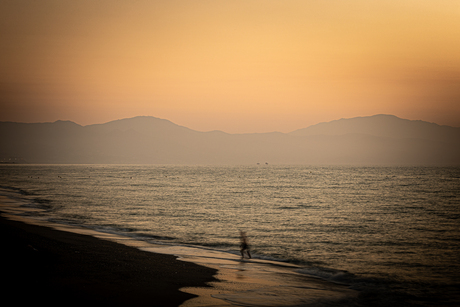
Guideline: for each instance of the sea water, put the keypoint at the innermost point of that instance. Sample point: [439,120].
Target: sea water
[385,230]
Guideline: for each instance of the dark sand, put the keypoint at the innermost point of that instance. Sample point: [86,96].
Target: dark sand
[43,265]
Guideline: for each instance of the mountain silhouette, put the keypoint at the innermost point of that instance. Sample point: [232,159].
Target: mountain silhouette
[383,125]
[373,140]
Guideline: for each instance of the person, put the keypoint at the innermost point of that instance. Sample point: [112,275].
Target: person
[244,245]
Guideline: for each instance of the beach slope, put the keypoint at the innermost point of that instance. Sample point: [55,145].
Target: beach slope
[43,265]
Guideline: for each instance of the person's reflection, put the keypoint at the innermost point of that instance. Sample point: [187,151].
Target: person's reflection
[240,270]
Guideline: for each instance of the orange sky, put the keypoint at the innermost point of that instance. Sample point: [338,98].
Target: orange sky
[237,65]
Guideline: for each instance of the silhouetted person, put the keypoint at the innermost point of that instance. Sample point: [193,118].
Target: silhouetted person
[244,245]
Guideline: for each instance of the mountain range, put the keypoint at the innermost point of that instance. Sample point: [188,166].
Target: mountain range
[372,140]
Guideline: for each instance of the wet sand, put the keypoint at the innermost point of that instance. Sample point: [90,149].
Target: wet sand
[257,282]
[44,265]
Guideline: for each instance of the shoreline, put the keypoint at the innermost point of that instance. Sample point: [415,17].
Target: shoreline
[58,264]
[41,264]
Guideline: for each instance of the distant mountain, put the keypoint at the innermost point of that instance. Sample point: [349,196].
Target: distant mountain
[374,140]
[383,125]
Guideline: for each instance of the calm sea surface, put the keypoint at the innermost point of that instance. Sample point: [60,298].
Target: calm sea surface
[394,227]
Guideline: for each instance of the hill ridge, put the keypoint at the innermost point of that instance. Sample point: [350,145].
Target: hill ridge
[373,140]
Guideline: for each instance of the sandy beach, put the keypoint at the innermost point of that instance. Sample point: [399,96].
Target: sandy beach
[58,264]
[43,265]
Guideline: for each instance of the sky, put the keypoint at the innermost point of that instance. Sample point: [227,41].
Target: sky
[240,66]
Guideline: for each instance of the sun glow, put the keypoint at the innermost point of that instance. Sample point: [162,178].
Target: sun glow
[228,65]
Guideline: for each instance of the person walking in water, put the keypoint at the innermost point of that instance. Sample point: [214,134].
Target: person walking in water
[244,245]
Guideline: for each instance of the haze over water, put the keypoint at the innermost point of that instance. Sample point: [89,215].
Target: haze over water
[394,229]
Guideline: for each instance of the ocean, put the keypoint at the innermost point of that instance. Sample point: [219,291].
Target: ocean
[390,232]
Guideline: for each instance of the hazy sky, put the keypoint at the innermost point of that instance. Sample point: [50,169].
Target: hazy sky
[236,66]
